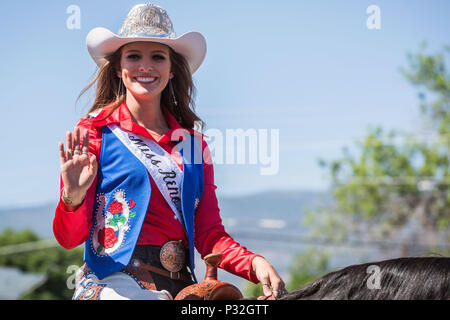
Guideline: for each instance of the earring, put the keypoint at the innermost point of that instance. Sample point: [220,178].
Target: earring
[172,92]
[119,93]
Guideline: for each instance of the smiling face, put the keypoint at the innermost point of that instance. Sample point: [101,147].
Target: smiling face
[145,69]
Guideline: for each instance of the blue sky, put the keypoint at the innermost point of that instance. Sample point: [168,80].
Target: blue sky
[310,69]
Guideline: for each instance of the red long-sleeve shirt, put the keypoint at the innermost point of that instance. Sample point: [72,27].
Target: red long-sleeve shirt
[71,228]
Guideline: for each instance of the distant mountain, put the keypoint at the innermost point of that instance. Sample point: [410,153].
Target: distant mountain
[36,218]
[282,205]
[272,204]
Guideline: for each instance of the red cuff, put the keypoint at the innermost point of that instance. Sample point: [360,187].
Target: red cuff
[71,228]
[236,259]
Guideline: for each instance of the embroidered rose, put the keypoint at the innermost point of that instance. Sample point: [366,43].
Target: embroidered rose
[115,220]
[107,237]
[115,207]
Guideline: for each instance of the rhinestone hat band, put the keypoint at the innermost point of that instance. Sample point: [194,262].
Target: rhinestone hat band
[147,20]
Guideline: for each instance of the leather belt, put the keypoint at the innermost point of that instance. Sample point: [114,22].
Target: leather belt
[136,263]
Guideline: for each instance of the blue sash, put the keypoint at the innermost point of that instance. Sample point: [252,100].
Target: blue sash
[122,199]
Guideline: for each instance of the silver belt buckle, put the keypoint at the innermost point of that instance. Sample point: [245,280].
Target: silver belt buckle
[173,256]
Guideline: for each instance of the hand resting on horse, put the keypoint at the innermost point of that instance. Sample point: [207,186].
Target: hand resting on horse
[272,283]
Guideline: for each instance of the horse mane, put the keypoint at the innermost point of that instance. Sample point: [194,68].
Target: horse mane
[413,278]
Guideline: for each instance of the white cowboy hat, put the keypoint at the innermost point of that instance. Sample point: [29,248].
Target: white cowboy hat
[147,22]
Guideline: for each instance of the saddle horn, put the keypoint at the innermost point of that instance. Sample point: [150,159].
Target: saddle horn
[210,288]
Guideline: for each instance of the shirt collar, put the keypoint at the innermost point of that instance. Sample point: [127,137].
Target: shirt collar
[122,117]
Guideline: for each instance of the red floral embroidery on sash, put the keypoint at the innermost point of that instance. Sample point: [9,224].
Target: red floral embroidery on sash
[115,207]
[107,237]
[112,225]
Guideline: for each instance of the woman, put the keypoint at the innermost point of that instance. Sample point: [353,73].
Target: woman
[131,189]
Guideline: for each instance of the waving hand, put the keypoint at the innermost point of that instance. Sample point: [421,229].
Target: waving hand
[78,171]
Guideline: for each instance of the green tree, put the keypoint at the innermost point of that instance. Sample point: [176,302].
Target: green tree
[54,262]
[306,267]
[393,180]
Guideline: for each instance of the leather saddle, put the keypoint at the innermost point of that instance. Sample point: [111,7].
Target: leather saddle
[210,288]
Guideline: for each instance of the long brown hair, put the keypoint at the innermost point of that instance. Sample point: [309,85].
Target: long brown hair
[110,91]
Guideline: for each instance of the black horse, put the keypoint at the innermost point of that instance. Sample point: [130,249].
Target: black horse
[415,278]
